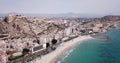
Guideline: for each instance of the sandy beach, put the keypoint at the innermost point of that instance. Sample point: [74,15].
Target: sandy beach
[65,46]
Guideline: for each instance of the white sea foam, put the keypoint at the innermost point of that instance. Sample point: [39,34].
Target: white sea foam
[65,55]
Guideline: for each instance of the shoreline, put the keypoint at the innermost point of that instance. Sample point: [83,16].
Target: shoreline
[64,47]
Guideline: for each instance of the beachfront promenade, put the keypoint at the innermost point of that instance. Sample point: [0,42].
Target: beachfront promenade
[51,56]
[65,46]
[32,56]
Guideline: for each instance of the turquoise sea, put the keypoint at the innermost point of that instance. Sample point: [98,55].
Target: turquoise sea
[95,51]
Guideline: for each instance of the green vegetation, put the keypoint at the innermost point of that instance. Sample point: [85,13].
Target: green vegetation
[25,51]
[14,57]
[54,41]
[9,52]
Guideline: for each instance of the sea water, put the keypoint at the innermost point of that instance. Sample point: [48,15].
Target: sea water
[95,51]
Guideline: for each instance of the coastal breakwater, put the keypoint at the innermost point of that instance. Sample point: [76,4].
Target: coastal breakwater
[104,38]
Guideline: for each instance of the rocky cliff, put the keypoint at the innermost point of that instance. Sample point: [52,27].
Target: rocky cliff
[15,26]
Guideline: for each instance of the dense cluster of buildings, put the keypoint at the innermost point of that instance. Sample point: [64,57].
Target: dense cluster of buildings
[14,47]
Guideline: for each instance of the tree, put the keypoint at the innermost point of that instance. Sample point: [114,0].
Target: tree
[54,41]
[47,45]
[25,51]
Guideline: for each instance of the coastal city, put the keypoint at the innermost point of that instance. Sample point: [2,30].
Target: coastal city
[24,38]
[59,31]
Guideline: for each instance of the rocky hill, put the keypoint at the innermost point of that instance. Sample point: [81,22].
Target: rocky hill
[110,18]
[14,26]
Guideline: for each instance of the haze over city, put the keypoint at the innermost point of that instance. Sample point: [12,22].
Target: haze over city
[102,7]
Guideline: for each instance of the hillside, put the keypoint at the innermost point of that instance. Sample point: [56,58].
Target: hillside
[23,26]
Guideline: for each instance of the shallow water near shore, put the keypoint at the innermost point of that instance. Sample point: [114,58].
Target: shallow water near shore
[95,51]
